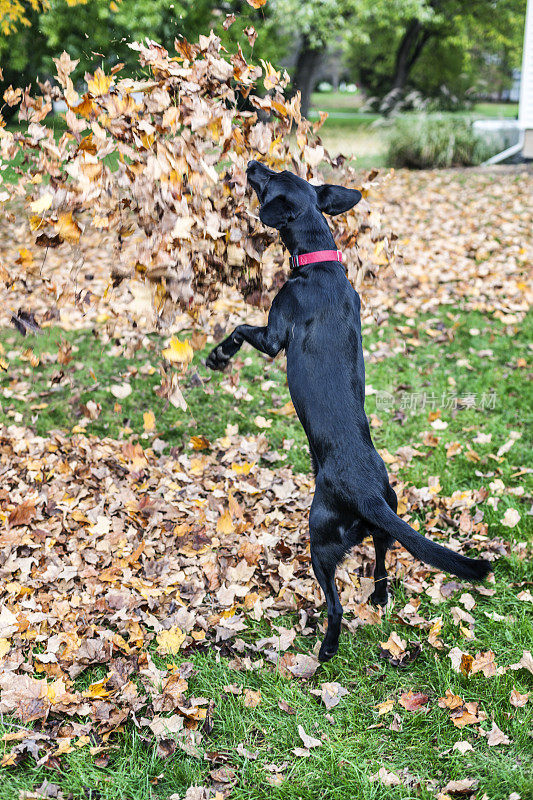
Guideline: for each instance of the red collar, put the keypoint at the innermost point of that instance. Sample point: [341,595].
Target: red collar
[313,258]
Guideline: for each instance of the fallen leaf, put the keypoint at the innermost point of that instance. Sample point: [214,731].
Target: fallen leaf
[462,747]
[149,421]
[511,518]
[386,778]
[451,700]
[225,523]
[284,706]
[120,390]
[496,736]
[412,701]
[385,706]
[22,514]
[394,645]
[309,741]
[526,662]
[169,642]
[464,786]
[304,666]
[252,698]
[518,700]
[330,694]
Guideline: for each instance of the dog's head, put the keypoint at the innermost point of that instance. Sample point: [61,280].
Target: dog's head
[285,197]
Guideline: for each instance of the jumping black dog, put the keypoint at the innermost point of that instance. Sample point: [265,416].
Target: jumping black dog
[316,319]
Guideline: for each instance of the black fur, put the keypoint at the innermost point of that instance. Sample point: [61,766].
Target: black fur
[316,319]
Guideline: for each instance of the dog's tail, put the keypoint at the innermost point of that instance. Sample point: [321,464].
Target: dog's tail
[382,516]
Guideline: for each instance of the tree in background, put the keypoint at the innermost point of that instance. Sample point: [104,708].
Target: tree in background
[388,44]
[427,43]
[98,32]
[314,26]
[15,14]
[22,44]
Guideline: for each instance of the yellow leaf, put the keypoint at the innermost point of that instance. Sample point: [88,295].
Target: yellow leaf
[149,421]
[97,689]
[252,698]
[380,258]
[261,422]
[178,352]
[25,258]
[385,706]
[287,410]
[63,747]
[242,469]
[4,647]
[466,663]
[271,75]
[200,442]
[120,642]
[42,204]
[67,227]
[99,84]
[169,642]
[225,523]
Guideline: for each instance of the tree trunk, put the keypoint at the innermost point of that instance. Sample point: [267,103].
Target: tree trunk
[307,64]
[409,51]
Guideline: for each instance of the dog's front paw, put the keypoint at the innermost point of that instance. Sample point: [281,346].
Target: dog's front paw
[217,359]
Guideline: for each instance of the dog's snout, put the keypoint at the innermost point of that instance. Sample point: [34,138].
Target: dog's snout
[255,167]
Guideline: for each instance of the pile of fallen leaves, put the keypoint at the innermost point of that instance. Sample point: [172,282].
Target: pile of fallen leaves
[110,553]
[465,241]
[157,166]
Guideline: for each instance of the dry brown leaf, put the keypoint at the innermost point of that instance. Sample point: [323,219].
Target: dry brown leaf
[412,701]
[309,741]
[496,736]
[23,514]
[252,698]
[518,700]
[463,786]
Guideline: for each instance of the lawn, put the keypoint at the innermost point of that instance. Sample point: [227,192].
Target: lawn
[159,618]
[364,134]
[49,380]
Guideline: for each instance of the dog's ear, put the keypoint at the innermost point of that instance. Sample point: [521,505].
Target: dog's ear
[336,199]
[278,212]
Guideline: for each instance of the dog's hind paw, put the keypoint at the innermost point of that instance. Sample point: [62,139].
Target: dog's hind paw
[380,598]
[325,652]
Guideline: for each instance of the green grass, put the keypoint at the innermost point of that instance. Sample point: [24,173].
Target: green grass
[507,110]
[426,364]
[447,350]
[345,102]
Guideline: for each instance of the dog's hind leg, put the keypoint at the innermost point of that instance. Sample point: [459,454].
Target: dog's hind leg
[330,541]
[382,542]
[380,594]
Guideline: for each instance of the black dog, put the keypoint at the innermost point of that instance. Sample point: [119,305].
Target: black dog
[315,318]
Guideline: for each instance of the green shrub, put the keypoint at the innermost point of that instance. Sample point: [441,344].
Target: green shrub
[422,141]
